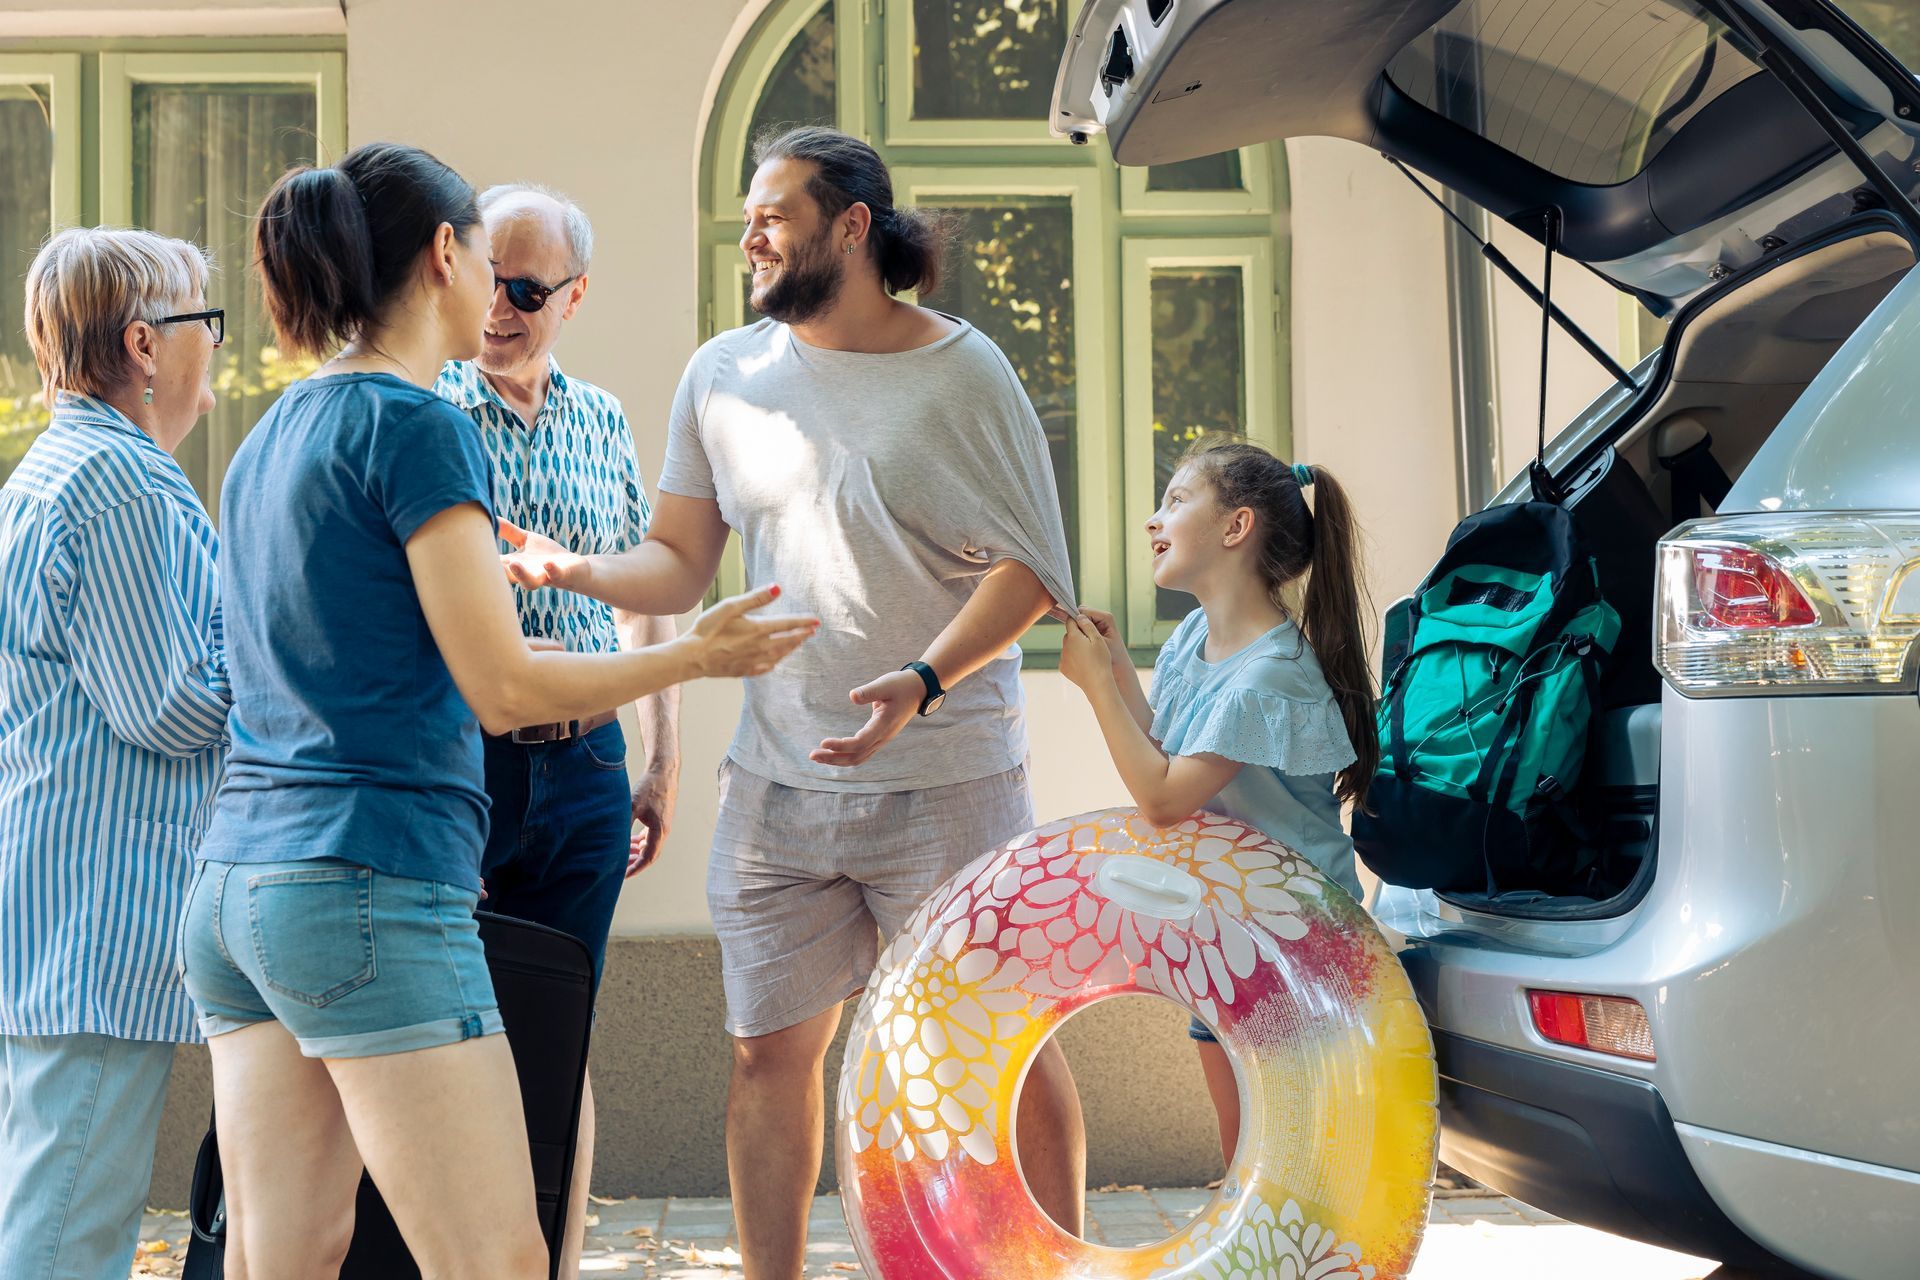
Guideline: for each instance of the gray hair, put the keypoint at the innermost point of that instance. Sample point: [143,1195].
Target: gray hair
[579,230]
[87,284]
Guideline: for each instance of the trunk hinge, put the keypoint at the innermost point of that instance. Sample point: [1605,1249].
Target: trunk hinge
[1787,67]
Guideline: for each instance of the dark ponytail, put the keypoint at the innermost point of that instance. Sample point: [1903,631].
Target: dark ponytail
[1322,542]
[334,246]
[908,245]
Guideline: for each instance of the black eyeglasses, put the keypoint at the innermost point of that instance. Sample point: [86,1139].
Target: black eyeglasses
[215,320]
[528,294]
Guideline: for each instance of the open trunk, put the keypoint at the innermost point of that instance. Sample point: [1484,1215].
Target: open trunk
[1642,462]
[1747,167]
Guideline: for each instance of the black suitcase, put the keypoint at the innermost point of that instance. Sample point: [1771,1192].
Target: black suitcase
[543,980]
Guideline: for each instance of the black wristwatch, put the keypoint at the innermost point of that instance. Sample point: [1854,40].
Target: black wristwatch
[935,694]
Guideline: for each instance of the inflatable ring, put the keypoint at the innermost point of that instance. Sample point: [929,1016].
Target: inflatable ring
[1338,1091]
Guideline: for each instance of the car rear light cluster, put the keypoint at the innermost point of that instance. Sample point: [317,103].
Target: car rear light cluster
[1604,1024]
[1775,603]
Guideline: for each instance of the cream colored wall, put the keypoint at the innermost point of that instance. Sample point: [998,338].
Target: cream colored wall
[1372,374]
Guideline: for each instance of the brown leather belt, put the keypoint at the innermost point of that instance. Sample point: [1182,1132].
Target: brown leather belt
[561,731]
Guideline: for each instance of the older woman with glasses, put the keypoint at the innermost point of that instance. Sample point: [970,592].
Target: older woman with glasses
[113,710]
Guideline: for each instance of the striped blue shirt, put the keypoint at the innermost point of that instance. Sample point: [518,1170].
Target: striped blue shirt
[113,711]
[573,476]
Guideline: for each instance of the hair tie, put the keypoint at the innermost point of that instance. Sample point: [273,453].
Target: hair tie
[1303,475]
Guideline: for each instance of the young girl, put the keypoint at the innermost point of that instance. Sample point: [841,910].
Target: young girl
[1262,705]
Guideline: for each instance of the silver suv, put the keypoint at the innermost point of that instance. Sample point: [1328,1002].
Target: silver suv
[1705,1031]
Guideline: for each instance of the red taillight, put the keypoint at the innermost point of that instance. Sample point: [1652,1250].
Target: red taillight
[1604,1024]
[1742,590]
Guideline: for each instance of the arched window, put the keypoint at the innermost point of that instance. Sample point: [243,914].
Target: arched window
[1138,307]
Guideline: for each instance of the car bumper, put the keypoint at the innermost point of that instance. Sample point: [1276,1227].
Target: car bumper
[1587,1145]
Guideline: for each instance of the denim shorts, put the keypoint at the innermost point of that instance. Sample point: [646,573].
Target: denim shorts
[354,963]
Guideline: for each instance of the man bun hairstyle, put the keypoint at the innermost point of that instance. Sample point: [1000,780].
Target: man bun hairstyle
[1322,543]
[336,245]
[908,245]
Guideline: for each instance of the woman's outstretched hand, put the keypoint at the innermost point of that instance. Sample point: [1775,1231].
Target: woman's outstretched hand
[727,641]
[538,561]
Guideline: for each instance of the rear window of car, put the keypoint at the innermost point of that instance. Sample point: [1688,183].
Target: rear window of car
[1589,90]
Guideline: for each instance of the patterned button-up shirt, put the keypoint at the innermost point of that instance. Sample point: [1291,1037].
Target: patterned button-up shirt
[573,476]
[113,713]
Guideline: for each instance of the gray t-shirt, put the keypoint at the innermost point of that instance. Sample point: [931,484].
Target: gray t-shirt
[876,489]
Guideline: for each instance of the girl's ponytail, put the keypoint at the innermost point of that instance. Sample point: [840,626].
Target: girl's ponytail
[1336,609]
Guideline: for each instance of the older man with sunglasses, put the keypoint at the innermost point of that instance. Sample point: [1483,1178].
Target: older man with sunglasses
[566,829]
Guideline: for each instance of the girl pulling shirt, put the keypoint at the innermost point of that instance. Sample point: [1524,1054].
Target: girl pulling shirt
[1263,704]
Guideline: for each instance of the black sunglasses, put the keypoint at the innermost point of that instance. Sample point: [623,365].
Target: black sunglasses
[216,322]
[528,294]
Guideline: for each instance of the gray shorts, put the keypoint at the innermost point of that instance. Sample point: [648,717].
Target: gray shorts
[803,884]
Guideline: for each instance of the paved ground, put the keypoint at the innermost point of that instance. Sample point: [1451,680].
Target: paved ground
[1474,1235]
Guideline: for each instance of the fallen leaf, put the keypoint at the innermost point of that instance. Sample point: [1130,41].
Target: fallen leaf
[153,1246]
[1115,1186]
[600,1199]
[710,1257]
[593,1219]
[846,1266]
[1215,1184]
[645,1233]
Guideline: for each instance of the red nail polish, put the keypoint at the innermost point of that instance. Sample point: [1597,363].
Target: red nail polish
[776,591]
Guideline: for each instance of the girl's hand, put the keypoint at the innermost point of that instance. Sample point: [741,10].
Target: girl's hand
[1084,656]
[727,641]
[1110,632]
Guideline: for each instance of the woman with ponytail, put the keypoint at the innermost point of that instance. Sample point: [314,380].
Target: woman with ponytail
[330,946]
[1263,703]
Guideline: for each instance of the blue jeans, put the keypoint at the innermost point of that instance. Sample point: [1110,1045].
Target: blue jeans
[353,962]
[78,1119]
[558,833]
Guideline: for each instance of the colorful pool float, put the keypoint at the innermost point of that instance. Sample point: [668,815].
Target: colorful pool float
[1339,1123]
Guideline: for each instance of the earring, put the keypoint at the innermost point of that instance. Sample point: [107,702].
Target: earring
[148,397]
[849,248]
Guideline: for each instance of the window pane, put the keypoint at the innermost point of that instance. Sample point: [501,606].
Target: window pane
[985,59]
[203,159]
[1217,172]
[1590,90]
[1199,376]
[1010,275]
[1894,23]
[800,90]
[26,217]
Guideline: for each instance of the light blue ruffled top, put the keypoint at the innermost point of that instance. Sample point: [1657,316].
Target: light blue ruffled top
[1269,707]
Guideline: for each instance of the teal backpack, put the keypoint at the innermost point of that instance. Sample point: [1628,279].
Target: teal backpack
[1483,721]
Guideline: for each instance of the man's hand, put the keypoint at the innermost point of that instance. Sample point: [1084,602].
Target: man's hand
[538,561]
[652,816]
[1085,658]
[895,699]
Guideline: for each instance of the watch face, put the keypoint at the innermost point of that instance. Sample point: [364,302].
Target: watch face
[933,704]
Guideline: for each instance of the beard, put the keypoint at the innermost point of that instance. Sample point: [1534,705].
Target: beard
[806,286]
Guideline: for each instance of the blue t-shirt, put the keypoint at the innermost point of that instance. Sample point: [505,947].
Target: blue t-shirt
[349,737]
[1269,707]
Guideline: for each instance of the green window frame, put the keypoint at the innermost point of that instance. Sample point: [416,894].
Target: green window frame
[60,74]
[1252,258]
[325,73]
[94,84]
[1122,230]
